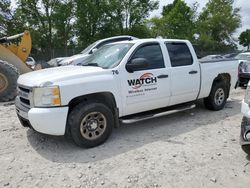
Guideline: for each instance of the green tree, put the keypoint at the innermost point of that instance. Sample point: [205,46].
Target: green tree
[177,21]
[69,23]
[5,15]
[63,25]
[99,19]
[89,20]
[216,25]
[49,22]
[245,39]
[10,22]
[135,11]
[37,16]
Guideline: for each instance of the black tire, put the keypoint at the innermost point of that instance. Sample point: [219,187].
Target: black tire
[210,101]
[244,129]
[8,76]
[81,113]
[246,149]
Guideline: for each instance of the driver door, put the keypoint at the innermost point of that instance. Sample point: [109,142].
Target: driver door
[149,87]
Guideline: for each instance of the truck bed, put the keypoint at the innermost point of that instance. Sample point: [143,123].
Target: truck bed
[211,69]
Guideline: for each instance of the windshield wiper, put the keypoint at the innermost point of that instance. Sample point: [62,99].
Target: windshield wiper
[91,64]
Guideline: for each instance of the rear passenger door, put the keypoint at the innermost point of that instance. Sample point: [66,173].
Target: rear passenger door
[185,73]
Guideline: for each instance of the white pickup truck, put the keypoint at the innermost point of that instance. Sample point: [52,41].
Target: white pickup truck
[124,81]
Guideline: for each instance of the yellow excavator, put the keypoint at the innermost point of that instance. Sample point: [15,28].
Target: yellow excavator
[13,56]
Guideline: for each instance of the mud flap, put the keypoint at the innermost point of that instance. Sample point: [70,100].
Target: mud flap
[237,84]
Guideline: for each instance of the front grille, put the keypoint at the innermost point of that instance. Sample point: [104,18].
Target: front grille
[24,89]
[25,101]
[24,93]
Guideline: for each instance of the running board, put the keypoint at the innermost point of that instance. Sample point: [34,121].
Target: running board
[148,115]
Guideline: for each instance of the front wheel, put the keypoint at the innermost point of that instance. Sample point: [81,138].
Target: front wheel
[217,97]
[246,149]
[90,124]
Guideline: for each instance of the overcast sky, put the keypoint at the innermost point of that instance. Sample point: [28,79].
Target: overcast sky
[244,5]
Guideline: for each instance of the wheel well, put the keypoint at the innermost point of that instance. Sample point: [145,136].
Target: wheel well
[104,97]
[226,79]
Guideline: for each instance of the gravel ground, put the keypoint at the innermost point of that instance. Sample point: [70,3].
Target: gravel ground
[196,148]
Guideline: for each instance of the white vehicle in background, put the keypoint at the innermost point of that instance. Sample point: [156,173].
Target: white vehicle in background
[125,81]
[244,68]
[212,57]
[55,61]
[78,58]
[230,56]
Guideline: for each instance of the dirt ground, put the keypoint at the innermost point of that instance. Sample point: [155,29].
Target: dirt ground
[196,148]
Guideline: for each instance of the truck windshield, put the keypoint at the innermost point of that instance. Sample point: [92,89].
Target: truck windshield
[243,57]
[86,50]
[108,56]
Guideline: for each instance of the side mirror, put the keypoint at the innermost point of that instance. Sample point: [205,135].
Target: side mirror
[93,50]
[136,64]
[30,63]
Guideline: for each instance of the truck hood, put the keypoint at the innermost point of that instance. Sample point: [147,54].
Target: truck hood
[58,74]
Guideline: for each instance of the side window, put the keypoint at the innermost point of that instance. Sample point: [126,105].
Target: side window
[179,54]
[153,54]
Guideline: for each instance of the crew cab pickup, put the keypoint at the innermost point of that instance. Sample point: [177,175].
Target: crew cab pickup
[124,81]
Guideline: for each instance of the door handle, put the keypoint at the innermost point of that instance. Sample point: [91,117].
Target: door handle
[193,72]
[162,76]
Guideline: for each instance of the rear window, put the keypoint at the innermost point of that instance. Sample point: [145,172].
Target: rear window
[179,54]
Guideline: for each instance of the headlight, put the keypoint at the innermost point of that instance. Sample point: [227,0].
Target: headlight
[47,96]
[247,95]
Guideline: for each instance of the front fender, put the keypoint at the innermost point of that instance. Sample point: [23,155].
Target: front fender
[71,89]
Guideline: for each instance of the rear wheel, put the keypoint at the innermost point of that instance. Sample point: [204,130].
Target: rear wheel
[217,97]
[90,124]
[8,81]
